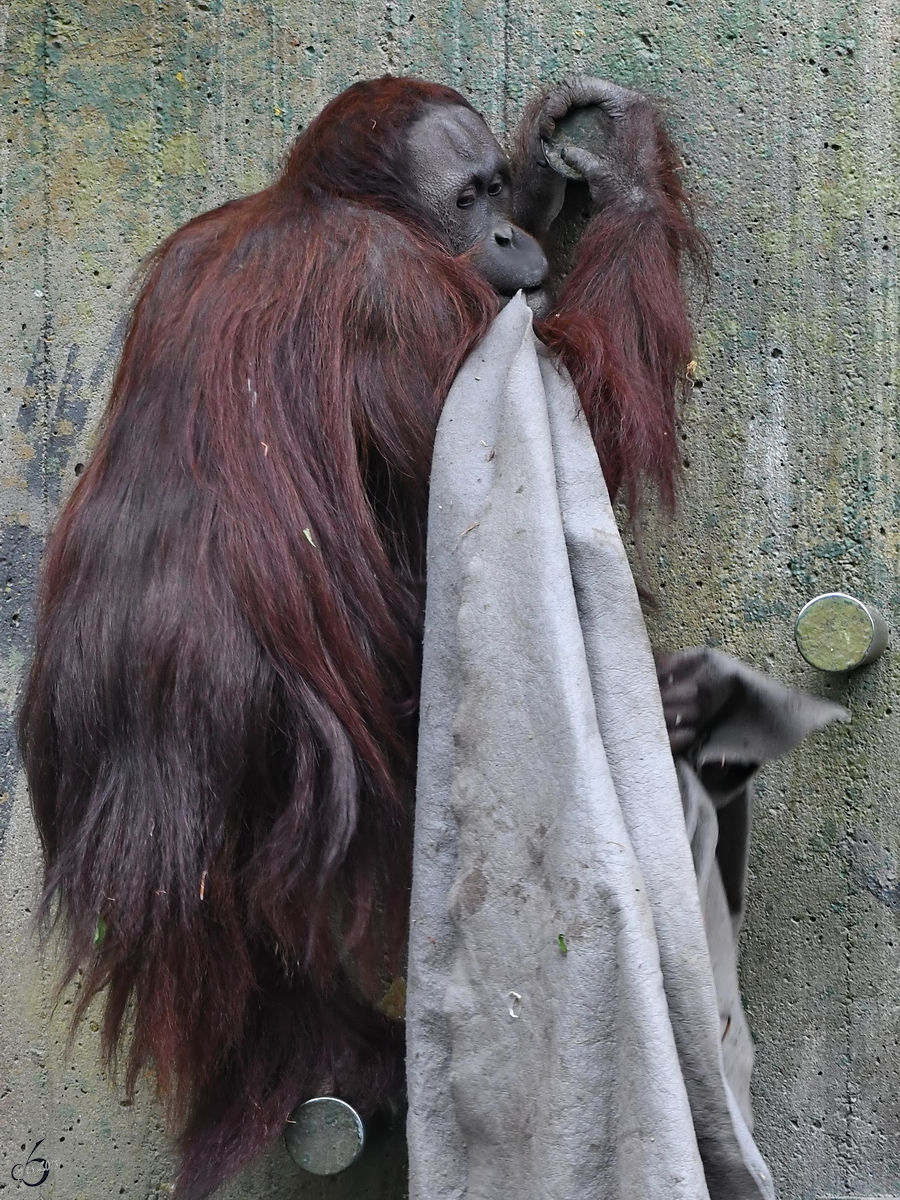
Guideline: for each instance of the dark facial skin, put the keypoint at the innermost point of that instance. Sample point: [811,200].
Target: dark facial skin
[463,178]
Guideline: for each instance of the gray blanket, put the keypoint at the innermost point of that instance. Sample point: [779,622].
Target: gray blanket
[565,1038]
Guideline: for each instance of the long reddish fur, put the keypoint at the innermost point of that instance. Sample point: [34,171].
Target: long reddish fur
[621,323]
[219,724]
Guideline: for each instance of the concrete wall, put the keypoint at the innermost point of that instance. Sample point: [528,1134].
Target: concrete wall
[122,118]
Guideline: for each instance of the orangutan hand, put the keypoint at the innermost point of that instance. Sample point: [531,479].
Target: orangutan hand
[688,706]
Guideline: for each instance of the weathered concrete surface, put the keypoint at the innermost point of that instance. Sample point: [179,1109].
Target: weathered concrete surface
[121,119]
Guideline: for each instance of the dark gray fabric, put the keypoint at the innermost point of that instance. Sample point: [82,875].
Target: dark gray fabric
[564,1037]
[756,719]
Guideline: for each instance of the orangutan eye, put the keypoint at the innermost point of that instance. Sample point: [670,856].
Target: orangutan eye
[495,188]
[466,198]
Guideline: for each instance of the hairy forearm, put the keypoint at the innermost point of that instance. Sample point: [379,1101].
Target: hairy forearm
[622,328]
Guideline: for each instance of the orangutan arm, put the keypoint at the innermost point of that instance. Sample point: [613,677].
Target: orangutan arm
[616,244]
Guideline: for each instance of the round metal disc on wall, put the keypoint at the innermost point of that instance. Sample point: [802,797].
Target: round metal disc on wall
[324,1136]
[836,632]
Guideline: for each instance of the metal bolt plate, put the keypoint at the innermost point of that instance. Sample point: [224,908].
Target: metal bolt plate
[836,632]
[324,1136]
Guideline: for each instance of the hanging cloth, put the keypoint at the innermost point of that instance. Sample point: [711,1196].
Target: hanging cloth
[563,1029]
